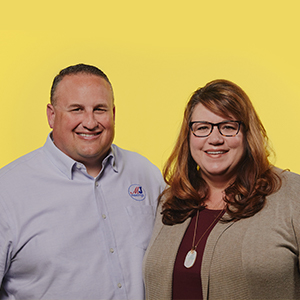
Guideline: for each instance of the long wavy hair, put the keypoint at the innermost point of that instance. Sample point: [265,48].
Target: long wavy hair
[256,177]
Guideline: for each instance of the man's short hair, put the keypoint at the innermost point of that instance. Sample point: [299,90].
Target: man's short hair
[71,70]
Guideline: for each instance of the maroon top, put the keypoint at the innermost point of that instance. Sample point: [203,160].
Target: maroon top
[187,282]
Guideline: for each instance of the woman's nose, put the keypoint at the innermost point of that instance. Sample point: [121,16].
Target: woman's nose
[216,137]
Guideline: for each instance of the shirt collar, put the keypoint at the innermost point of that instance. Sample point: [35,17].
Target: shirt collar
[66,164]
[111,159]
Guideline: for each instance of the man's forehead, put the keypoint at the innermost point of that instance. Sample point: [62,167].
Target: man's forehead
[75,84]
[83,78]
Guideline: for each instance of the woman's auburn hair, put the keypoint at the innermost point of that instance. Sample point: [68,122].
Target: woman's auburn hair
[256,177]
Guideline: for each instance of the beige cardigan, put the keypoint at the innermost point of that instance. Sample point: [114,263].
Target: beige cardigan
[254,258]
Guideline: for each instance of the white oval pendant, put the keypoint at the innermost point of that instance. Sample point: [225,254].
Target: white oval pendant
[190,258]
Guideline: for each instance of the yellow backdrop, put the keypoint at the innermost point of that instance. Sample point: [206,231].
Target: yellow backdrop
[156,53]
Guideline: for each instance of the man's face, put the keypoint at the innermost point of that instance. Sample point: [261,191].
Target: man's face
[82,118]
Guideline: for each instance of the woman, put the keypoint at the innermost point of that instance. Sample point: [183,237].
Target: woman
[228,225]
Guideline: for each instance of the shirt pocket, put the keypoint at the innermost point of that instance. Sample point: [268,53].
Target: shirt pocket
[141,219]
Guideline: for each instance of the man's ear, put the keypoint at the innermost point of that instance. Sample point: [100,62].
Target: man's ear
[50,115]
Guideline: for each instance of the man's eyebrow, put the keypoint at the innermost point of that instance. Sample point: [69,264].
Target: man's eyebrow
[75,105]
[102,105]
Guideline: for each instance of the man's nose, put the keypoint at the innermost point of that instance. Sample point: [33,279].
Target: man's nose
[89,121]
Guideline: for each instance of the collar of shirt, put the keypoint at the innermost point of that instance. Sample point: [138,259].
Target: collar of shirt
[66,164]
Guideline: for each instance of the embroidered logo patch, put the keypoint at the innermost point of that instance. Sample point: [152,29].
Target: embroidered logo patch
[137,192]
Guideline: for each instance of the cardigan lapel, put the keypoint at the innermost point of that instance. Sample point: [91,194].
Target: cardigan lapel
[208,254]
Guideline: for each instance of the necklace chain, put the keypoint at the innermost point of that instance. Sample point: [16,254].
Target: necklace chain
[191,256]
[195,230]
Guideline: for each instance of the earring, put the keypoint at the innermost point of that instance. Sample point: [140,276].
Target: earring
[198,168]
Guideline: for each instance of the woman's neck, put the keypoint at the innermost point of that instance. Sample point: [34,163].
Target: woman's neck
[215,200]
[216,195]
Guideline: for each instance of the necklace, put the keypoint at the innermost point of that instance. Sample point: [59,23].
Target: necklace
[191,256]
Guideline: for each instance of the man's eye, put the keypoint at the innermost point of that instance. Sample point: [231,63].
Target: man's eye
[76,109]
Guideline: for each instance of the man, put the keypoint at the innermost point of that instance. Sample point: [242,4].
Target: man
[76,215]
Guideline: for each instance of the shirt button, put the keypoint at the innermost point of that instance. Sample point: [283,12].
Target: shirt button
[111,250]
[104,216]
[97,184]
[119,285]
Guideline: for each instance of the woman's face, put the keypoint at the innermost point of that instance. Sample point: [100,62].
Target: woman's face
[217,156]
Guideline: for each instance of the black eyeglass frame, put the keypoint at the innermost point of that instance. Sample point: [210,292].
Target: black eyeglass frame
[218,125]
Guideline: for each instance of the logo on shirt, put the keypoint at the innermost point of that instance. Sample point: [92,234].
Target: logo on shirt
[137,192]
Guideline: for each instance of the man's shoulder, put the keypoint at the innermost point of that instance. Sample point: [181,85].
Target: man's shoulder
[132,162]
[130,156]
[20,163]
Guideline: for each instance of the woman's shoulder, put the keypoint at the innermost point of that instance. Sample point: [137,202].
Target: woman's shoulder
[289,191]
[289,179]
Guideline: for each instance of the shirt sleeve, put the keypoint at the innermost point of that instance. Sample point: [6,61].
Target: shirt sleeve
[5,242]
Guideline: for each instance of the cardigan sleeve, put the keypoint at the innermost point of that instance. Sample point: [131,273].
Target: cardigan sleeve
[294,195]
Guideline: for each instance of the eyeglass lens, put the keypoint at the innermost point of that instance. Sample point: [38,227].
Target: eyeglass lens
[203,129]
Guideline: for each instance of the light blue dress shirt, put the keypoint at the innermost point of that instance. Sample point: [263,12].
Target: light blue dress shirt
[67,235]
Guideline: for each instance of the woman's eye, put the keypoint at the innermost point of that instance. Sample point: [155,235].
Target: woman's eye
[202,127]
[229,127]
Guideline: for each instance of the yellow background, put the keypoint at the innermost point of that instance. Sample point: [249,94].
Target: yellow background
[156,53]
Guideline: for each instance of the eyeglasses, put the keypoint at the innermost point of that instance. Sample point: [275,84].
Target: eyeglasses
[226,128]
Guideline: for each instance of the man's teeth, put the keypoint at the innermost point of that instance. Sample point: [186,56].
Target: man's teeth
[86,134]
